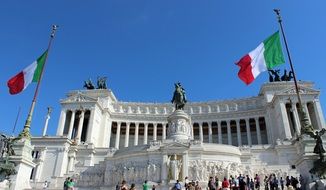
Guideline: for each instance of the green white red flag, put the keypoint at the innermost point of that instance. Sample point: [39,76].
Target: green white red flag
[266,56]
[32,73]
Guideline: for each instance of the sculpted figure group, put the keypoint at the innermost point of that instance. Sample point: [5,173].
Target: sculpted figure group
[101,83]
[274,75]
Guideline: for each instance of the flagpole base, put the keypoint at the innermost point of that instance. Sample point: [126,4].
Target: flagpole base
[25,134]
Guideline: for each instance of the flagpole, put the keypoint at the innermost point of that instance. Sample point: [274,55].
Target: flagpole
[26,131]
[13,130]
[305,125]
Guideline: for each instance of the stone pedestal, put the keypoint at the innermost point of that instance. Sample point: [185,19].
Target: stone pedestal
[179,126]
[306,159]
[24,164]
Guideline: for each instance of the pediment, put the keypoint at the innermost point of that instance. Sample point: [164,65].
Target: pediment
[302,90]
[79,97]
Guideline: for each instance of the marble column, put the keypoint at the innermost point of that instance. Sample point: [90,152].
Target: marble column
[90,129]
[39,168]
[117,136]
[219,130]
[80,126]
[304,104]
[71,124]
[210,132]
[248,132]
[145,133]
[285,120]
[127,134]
[164,131]
[155,132]
[109,133]
[136,134]
[62,122]
[258,130]
[201,136]
[238,132]
[319,114]
[229,132]
[296,118]
[46,124]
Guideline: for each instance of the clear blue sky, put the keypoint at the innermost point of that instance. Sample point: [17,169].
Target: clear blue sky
[143,47]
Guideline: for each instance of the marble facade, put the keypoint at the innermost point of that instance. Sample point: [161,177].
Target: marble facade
[101,140]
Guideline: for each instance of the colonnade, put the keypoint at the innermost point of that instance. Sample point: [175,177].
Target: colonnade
[74,124]
[292,118]
[236,132]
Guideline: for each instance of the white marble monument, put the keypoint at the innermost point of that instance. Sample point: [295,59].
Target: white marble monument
[101,140]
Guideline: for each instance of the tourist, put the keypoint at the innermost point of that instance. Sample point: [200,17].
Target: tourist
[236,183]
[65,184]
[266,182]
[242,184]
[146,186]
[275,183]
[197,186]
[45,185]
[288,181]
[294,182]
[271,181]
[186,183]
[282,183]
[248,181]
[225,184]
[257,182]
[217,183]
[124,185]
[132,187]
[191,186]
[177,185]
[70,184]
[153,187]
[251,185]
[211,184]
[117,187]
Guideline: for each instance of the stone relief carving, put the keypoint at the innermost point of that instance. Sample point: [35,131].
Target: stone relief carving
[132,171]
[201,170]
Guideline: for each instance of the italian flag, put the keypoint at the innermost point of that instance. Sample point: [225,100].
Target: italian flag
[266,56]
[32,73]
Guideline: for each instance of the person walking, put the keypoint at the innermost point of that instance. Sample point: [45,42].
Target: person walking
[124,185]
[197,186]
[71,184]
[133,187]
[146,186]
[225,184]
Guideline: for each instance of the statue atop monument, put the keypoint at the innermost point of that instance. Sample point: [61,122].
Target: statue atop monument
[101,83]
[88,84]
[179,96]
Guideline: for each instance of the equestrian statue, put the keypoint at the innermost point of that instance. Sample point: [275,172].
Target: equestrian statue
[179,97]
